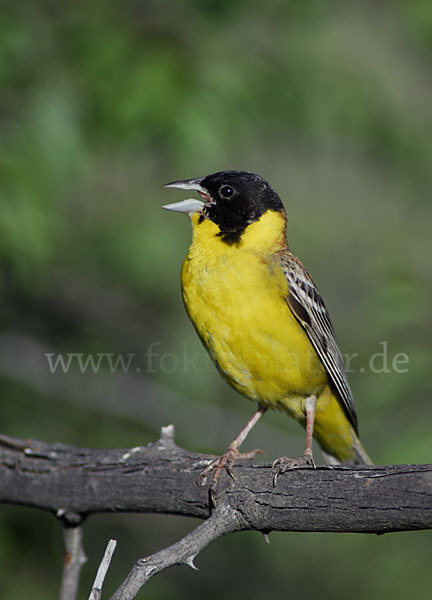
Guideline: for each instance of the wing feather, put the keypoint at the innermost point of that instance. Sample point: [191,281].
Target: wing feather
[309,309]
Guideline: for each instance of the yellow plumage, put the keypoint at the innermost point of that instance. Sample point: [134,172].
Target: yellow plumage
[262,319]
[236,297]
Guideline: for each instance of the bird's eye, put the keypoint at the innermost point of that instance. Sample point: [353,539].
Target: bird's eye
[226,191]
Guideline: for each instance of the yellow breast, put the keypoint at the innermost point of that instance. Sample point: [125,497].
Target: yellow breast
[235,296]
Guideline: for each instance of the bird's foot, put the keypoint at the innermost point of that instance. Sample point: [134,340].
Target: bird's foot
[226,461]
[285,463]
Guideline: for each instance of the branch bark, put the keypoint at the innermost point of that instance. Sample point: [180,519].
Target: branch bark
[161,477]
[73,483]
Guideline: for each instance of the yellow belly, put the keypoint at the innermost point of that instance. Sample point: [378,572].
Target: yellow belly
[236,299]
[238,307]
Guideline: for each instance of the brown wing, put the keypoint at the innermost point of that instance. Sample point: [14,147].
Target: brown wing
[309,309]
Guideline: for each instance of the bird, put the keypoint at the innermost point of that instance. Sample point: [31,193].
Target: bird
[262,319]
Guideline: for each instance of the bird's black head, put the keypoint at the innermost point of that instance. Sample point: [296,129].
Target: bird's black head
[233,200]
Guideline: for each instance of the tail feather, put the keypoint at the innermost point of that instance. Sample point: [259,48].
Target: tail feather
[360,455]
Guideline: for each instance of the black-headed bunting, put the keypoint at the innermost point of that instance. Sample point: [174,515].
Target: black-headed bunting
[261,318]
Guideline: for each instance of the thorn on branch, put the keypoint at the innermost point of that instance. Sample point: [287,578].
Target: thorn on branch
[190,562]
[166,440]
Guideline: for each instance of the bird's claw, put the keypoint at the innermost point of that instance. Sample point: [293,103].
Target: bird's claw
[226,461]
[286,463]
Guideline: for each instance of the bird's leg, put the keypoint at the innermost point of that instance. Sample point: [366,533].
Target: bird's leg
[231,454]
[284,462]
[310,405]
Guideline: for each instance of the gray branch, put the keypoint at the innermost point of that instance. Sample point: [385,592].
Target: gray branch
[73,483]
[74,559]
[161,478]
[96,591]
[223,520]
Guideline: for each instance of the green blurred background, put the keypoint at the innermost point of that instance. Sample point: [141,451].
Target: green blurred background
[103,102]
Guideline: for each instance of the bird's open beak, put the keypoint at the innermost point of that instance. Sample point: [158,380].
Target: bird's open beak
[191,205]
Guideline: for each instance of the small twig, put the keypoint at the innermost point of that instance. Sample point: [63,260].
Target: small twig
[96,591]
[73,561]
[223,520]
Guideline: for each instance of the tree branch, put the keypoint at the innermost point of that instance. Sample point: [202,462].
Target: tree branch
[223,520]
[161,477]
[96,591]
[74,558]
